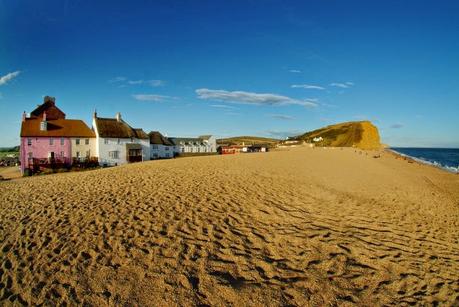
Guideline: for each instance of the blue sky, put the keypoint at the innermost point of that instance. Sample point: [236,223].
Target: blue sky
[266,68]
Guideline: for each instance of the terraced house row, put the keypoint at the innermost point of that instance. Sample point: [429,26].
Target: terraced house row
[49,140]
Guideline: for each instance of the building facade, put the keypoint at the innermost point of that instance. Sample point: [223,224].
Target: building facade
[201,144]
[160,146]
[118,143]
[46,138]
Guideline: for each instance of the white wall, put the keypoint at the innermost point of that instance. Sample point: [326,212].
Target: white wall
[196,148]
[145,148]
[159,151]
[117,144]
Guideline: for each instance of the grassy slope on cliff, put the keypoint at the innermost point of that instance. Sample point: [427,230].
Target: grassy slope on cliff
[237,140]
[361,134]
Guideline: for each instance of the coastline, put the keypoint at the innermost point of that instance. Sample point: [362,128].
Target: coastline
[450,169]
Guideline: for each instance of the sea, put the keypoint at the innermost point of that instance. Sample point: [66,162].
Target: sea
[445,158]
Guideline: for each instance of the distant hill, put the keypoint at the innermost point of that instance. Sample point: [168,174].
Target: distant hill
[362,134]
[248,140]
[9,149]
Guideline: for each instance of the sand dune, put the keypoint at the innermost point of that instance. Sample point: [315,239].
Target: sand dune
[302,227]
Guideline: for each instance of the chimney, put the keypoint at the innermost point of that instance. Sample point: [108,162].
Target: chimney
[94,115]
[118,116]
[50,99]
[24,116]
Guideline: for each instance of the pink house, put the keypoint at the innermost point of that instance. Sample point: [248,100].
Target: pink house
[46,137]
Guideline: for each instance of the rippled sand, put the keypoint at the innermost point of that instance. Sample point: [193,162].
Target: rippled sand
[303,227]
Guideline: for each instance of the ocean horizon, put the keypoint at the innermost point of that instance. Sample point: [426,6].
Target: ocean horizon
[444,158]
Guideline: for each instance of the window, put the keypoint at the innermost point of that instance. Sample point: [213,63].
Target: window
[62,154]
[62,141]
[119,141]
[166,148]
[86,141]
[113,154]
[105,141]
[132,140]
[77,141]
[29,142]
[88,154]
[77,154]
[155,146]
[30,155]
[51,141]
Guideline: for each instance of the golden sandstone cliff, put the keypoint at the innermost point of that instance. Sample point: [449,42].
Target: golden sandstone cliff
[361,134]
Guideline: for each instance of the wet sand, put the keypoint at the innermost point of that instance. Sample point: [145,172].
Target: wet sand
[293,227]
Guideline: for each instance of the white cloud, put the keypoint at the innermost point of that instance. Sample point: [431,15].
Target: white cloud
[295,71]
[251,98]
[282,116]
[307,86]
[151,97]
[342,85]
[8,77]
[135,82]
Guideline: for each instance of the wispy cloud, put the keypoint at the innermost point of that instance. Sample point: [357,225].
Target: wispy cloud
[156,83]
[152,97]
[396,126]
[8,77]
[295,71]
[251,98]
[125,81]
[307,86]
[135,82]
[342,85]
[222,106]
[282,116]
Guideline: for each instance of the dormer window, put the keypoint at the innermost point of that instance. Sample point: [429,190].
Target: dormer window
[77,141]
[43,126]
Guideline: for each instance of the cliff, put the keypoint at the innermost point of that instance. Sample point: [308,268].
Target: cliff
[362,134]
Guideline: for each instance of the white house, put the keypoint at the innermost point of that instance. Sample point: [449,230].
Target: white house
[160,147]
[201,144]
[118,143]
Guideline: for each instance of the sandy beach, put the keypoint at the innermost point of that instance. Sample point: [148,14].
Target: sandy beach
[300,226]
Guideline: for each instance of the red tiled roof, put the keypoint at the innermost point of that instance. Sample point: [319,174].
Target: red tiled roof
[56,128]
